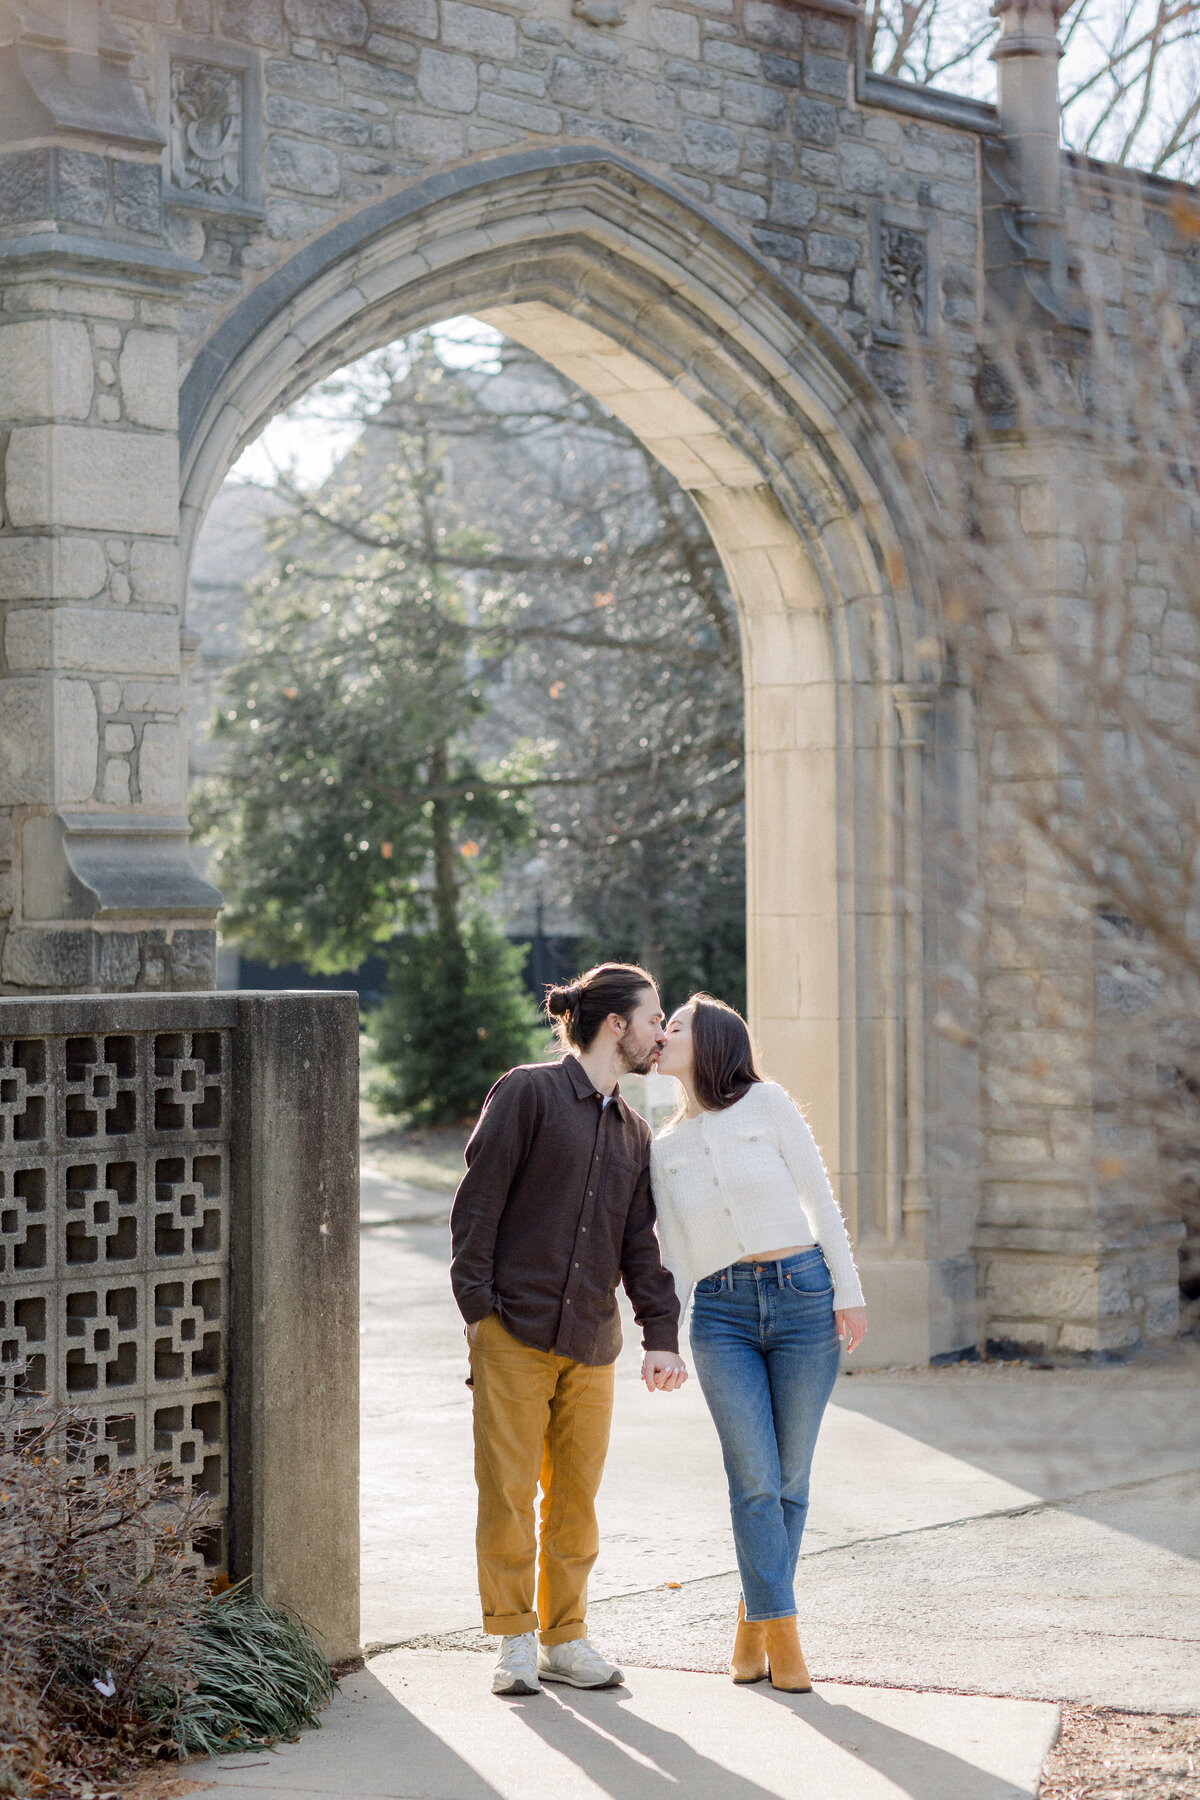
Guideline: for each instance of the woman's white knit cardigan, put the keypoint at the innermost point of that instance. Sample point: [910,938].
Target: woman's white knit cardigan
[741,1181]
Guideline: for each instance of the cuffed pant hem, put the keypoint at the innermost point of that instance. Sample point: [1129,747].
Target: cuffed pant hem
[510,1624]
[768,1618]
[562,1634]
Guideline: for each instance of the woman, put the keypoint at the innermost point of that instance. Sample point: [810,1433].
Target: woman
[746,1214]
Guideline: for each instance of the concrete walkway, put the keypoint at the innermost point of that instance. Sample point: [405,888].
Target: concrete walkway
[1016,1536]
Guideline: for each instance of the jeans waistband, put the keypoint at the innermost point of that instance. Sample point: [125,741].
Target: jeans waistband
[772,1269]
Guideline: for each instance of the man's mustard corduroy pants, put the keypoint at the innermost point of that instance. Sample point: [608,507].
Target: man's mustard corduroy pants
[538,1417]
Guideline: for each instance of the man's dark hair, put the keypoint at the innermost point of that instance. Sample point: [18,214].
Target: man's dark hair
[578,1009]
[722,1054]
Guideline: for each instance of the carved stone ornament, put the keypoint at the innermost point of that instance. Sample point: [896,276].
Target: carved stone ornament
[903,279]
[206,128]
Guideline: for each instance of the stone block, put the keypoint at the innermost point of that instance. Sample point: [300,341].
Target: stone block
[1161,1315]
[82,190]
[76,475]
[782,70]
[253,22]
[289,219]
[193,960]
[137,197]
[827,251]
[368,77]
[329,21]
[751,103]
[741,204]
[779,244]
[420,17]
[674,31]
[777,26]
[331,124]
[154,573]
[50,960]
[26,758]
[429,140]
[479,30]
[118,739]
[161,781]
[826,75]
[1106,1335]
[314,81]
[448,81]
[115,790]
[64,568]
[45,370]
[303,167]
[26,186]
[861,168]
[98,639]
[509,110]
[119,959]
[792,203]
[639,102]
[712,148]
[575,83]
[7,892]
[736,59]
[148,371]
[76,741]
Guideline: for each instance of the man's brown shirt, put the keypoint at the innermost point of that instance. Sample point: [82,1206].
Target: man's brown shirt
[553,1210]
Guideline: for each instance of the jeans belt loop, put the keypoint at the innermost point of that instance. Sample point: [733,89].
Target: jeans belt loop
[779,1272]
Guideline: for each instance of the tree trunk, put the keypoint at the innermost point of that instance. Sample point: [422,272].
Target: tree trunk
[445,856]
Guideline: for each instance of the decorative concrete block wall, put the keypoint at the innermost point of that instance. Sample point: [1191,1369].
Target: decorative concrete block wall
[176,1173]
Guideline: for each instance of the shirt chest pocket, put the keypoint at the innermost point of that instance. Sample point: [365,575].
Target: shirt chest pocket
[754,1154]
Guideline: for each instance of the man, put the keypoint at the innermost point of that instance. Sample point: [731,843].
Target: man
[554,1208]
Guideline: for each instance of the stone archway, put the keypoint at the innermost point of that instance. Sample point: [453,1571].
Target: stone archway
[745,396]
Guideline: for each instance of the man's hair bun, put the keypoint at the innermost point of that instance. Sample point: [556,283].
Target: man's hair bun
[560,1000]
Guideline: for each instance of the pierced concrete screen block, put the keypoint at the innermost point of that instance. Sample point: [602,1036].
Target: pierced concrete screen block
[114,1244]
[178,1262]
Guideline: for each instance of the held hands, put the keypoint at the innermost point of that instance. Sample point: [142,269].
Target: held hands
[851,1322]
[663,1371]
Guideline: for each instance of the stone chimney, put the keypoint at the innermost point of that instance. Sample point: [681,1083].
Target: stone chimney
[1026,58]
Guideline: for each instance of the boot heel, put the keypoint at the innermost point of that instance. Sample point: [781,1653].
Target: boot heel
[785,1659]
[749,1660]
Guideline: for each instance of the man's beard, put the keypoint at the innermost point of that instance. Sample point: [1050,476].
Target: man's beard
[635,1065]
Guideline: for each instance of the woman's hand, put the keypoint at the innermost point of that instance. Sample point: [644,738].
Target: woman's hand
[851,1322]
[663,1371]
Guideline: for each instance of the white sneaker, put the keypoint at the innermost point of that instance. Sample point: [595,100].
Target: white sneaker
[516,1670]
[578,1663]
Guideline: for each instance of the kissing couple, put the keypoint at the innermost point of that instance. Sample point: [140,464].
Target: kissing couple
[561,1199]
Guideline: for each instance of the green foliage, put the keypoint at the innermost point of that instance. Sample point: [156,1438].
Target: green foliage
[348,774]
[259,1678]
[455,1016]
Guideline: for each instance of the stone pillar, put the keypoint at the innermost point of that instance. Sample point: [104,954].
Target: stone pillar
[294,1301]
[101,893]
[1076,1252]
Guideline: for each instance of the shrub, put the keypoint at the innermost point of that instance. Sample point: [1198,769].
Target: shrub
[455,1016]
[112,1648]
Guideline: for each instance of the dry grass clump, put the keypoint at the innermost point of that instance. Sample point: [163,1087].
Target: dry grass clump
[113,1648]
[97,1596]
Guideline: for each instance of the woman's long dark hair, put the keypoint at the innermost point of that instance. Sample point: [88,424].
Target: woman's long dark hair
[722,1054]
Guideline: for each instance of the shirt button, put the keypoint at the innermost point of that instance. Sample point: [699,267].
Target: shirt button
[576,1265]
[707,1151]
[567,1301]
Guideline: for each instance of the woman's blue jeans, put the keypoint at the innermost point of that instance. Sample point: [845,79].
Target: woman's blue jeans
[765,1350]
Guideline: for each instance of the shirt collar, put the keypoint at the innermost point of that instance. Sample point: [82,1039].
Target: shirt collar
[585,1088]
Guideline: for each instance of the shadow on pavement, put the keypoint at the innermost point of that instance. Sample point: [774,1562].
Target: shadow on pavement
[632,1759]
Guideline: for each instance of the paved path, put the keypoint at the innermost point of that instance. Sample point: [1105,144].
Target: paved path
[419,1727]
[1017,1536]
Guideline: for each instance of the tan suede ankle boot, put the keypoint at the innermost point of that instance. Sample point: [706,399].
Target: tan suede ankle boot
[749,1659]
[785,1658]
